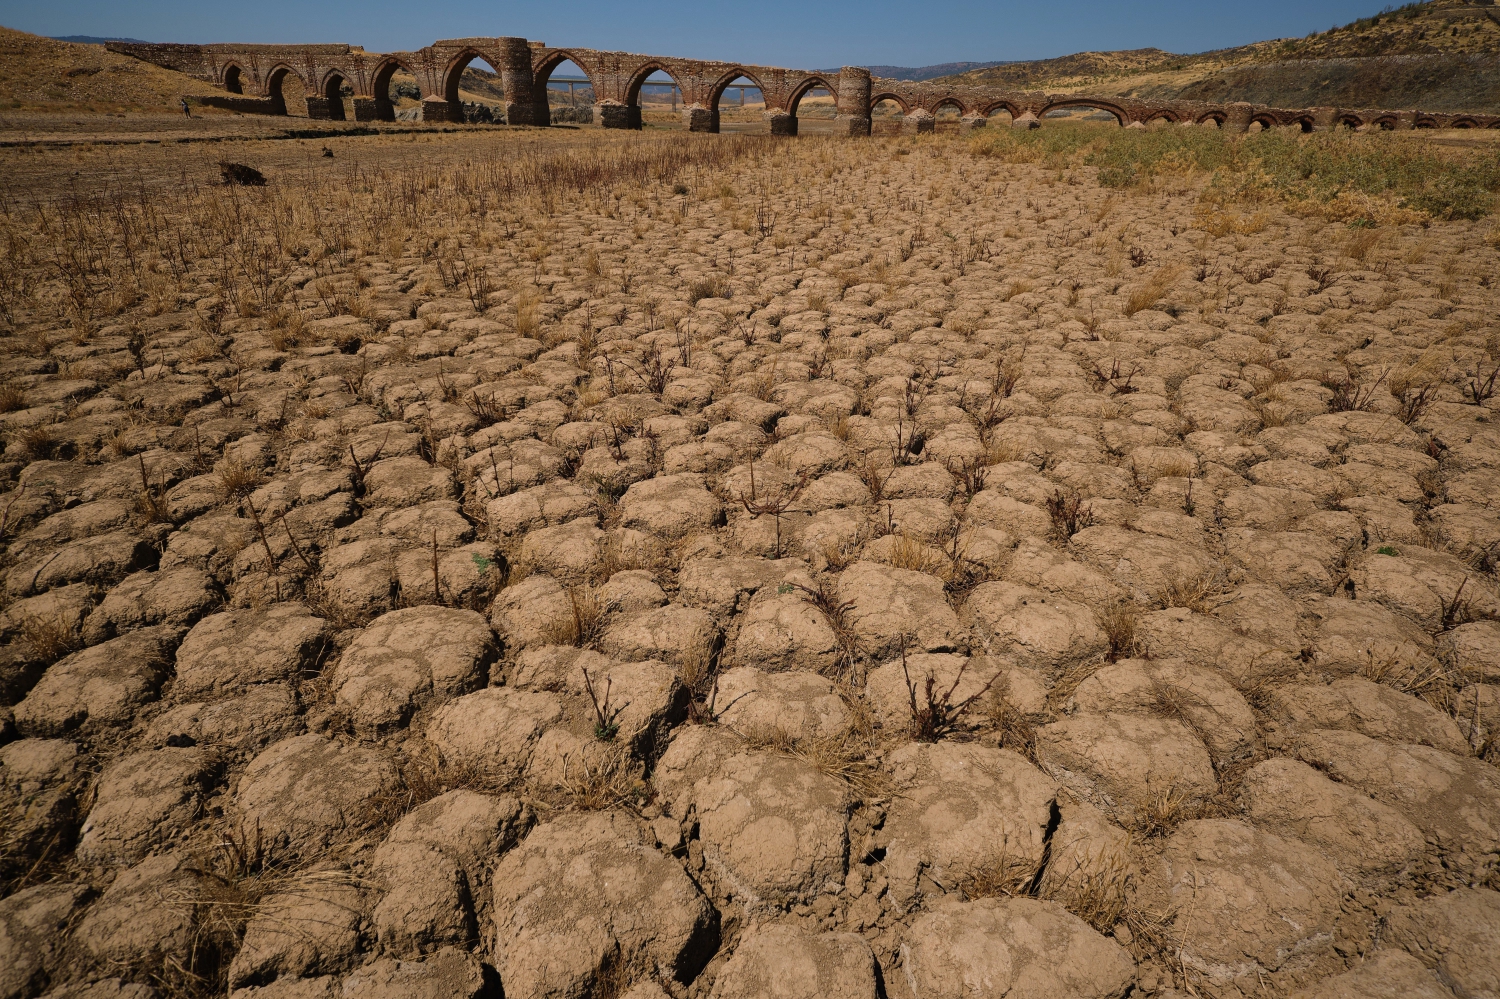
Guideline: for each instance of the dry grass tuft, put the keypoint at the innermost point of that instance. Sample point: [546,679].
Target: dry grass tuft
[1165,811]
[604,777]
[1198,593]
[1095,888]
[1118,620]
[1152,291]
[1006,875]
[582,624]
[50,638]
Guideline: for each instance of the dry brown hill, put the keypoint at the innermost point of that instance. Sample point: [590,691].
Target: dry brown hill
[1439,55]
[41,74]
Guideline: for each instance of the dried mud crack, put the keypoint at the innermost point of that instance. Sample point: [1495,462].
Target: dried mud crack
[693,566]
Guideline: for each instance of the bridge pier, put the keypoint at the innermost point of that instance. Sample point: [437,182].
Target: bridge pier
[617,116]
[369,109]
[521,104]
[321,109]
[1027,119]
[436,109]
[972,122]
[700,119]
[782,123]
[919,122]
[853,101]
[1237,117]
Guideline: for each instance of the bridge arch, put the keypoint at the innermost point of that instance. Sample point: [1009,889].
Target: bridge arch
[1351,121]
[541,78]
[717,90]
[275,83]
[1464,123]
[331,90]
[895,98]
[808,85]
[950,102]
[1265,120]
[380,86]
[454,71]
[1010,107]
[1216,116]
[1160,114]
[233,78]
[641,74]
[1097,105]
[729,76]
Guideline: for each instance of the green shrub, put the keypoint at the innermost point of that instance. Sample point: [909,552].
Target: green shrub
[1281,163]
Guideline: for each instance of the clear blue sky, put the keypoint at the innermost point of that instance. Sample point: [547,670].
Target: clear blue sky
[769,32]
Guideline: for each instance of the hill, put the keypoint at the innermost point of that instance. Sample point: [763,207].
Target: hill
[1439,55]
[915,73]
[96,40]
[44,74]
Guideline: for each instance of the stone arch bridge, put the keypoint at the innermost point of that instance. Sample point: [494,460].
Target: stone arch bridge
[253,75]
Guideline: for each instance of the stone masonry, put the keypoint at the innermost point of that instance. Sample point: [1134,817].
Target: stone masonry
[258,72]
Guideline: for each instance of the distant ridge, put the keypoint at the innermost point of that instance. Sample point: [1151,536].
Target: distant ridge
[96,40]
[916,73]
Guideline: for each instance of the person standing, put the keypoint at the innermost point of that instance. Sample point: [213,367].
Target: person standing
[186,111]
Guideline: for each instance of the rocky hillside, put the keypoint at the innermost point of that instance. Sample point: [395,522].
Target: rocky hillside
[1439,55]
[43,74]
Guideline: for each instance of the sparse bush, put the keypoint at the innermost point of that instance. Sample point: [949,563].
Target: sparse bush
[1069,513]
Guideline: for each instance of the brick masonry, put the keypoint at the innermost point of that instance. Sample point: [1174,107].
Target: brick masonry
[257,71]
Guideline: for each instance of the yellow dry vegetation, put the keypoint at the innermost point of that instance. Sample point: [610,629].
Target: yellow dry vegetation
[40,74]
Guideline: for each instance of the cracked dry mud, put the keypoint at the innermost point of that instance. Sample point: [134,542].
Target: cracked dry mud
[864,568]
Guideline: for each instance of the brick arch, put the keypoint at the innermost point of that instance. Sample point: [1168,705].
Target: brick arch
[809,83]
[638,79]
[455,70]
[1304,123]
[1154,114]
[1464,123]
[1216,116]
[542,70]
[1352,120]
[380,86]
[1267,120]
[272,87]
[1387,122]
[233,77]
[889,95]
[949,101]
[329,89]
[1098,105]
[1010,107]
[729,76]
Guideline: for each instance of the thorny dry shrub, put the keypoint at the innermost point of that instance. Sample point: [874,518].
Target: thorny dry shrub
[1069,513]
[934,713]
